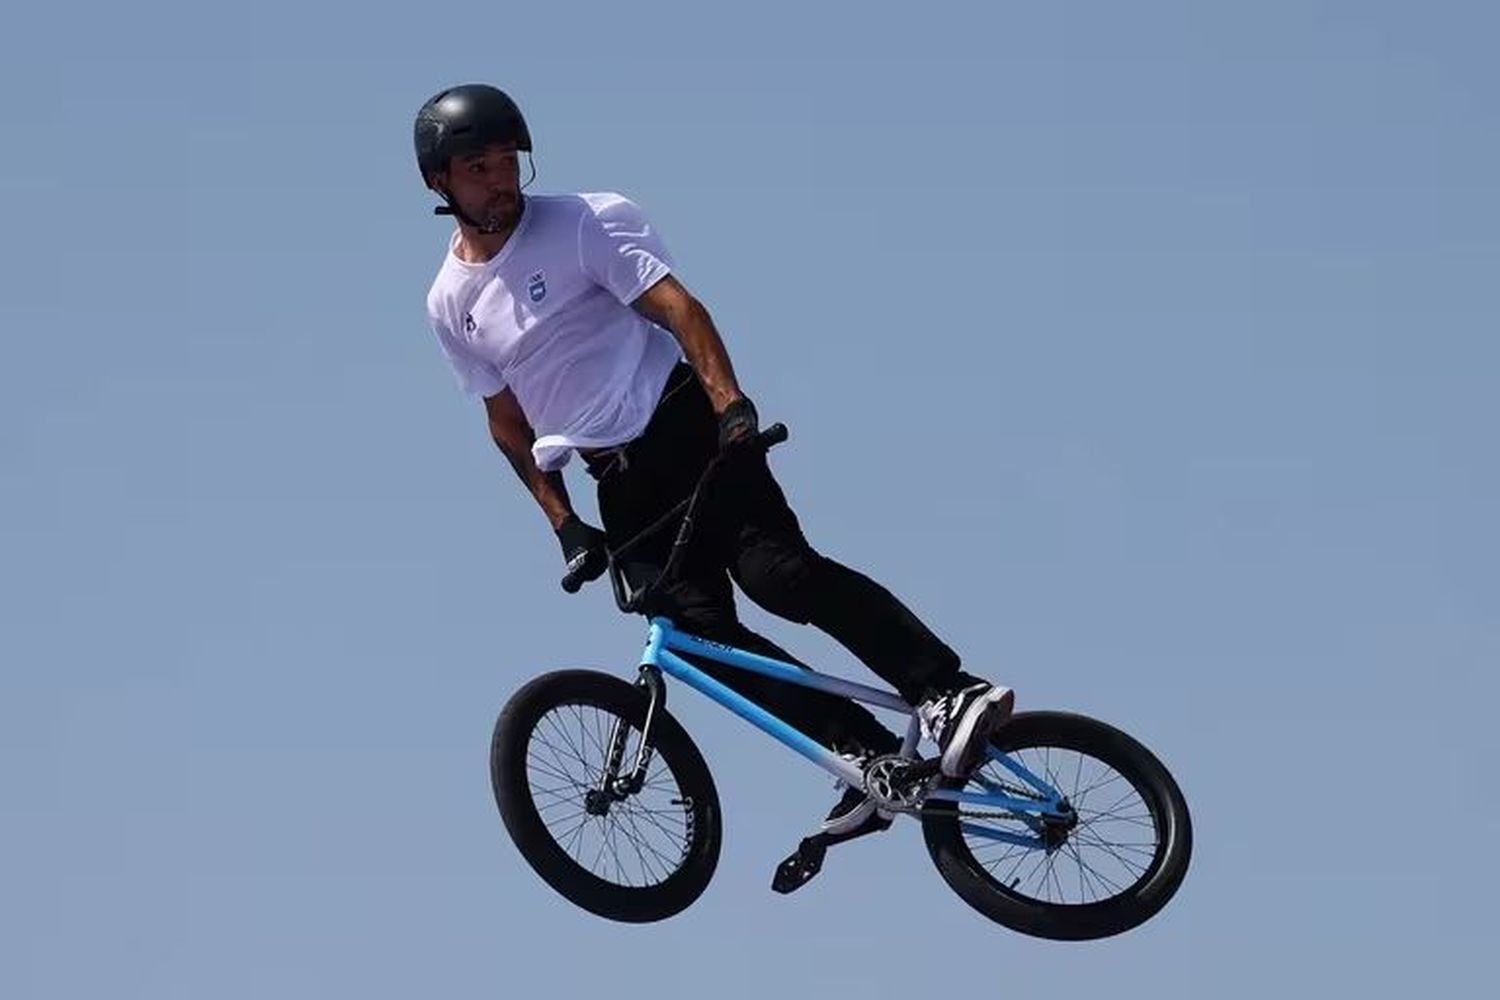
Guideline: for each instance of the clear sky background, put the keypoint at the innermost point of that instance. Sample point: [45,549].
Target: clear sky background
[1147,350]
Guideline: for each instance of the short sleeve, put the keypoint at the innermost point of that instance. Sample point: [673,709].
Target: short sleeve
[476,377]
[619,248]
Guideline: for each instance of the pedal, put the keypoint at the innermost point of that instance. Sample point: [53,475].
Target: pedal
[799,869]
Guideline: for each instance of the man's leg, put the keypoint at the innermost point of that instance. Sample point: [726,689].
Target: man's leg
[777,568]
[834,721]
[782,573]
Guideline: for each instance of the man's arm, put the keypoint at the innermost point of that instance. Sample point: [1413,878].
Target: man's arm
[514,436]
[667,303]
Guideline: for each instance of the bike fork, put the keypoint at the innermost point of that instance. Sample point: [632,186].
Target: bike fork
[611,783]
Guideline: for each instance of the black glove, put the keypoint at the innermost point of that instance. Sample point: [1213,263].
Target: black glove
[583,548]
[738,424]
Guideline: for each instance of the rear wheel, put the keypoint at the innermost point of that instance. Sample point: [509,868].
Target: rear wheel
[1114,863]
[635,856]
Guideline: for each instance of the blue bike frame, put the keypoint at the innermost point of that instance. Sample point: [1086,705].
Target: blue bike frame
[664,642]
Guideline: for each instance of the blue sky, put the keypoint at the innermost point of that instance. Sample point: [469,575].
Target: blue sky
[1147,351]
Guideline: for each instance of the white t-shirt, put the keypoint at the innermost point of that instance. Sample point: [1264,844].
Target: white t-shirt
[549,316]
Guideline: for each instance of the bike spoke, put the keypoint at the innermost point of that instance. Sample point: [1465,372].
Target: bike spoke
[551,771]
[564,756]
[1052,873]
[649,867]
[1109,817]
[574,747]
[1106,851]
[637,842]
[1011,851]
[614,854]
[668,863]
[558,798]
[1113,776]
[1084,866]
[649,815]
[642,839]
[1098,841]
[575,834]
[1135,868]
[1042,860]
[588,740]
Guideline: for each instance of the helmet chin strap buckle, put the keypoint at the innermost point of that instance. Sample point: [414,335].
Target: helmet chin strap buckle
[483,227]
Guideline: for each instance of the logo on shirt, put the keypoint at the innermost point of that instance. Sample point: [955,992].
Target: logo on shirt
[468,322]
[536,286]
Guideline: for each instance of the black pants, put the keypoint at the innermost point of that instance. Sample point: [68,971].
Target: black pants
[747,531]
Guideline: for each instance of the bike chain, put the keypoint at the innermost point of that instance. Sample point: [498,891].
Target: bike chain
[882,780]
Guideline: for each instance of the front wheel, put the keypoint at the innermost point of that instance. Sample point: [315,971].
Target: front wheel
[1114,860]
[631,854]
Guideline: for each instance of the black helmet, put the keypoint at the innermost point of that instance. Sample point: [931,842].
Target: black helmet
[465,119]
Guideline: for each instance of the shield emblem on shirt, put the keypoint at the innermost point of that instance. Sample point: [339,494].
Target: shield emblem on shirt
[536,286]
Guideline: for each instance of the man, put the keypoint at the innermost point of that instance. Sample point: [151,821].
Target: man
[562,313]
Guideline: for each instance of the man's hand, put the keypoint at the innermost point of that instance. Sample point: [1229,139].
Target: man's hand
[738,424]
[583,548]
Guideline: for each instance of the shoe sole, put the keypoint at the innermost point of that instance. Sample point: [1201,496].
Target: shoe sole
[851,820]
[874,820]
[967,747]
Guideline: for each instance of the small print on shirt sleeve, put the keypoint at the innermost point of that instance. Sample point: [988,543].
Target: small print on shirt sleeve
[475,377]
[619,248]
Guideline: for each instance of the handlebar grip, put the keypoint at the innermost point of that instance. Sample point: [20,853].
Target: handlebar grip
[572,581]
[773,435]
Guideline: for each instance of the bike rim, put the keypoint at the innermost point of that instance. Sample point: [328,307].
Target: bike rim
[1117,844]
[643,839]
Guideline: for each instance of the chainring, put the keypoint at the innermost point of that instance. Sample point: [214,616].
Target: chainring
[885,785]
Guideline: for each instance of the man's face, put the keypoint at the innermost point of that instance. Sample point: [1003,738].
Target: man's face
[486,185]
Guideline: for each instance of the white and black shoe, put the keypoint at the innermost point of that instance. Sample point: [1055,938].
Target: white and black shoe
[856,813]
[961,722]
[851,813]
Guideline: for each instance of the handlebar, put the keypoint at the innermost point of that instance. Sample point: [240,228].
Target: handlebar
[573,581]
[772,436]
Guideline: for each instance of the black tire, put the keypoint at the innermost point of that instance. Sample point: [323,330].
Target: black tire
[1166,817]
[596,699]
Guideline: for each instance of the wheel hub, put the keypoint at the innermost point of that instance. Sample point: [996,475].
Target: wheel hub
[1057,825]
[596,803]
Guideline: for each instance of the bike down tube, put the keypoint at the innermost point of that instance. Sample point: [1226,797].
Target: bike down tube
[672,639]
[746,709]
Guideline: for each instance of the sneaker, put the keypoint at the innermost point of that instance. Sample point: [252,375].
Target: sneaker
[855,813]
[850,813]
[961,722]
